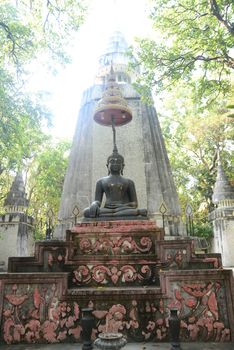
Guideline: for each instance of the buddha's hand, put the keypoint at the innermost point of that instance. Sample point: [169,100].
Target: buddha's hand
[131,204]
[94,209]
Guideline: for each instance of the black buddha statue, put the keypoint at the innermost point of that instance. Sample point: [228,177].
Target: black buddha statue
[121,199]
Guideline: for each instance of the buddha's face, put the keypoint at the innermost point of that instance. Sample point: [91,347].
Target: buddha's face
[115,165]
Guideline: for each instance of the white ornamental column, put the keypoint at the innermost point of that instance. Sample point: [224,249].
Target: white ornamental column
[222,218]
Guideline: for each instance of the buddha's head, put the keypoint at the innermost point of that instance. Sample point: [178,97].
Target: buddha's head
[115,163]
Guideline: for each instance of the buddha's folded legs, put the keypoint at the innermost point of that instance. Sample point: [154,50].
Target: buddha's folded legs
[122,212]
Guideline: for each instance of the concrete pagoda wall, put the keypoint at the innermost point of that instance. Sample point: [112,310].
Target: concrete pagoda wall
[16,237]
[222,219]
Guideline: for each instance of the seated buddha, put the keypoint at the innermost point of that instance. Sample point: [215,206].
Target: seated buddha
[120,192]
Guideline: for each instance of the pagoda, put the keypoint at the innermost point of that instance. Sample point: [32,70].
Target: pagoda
[141,142]
[16,227]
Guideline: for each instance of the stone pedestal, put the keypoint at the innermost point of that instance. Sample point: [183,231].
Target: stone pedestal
[128,274]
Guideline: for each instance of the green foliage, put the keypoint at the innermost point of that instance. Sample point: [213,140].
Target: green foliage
[32,34]
[31,28]
[45,173]
[45,182]
[16,39]
[5,183]
[203,229]
[21,118]
[193,42]
[193,139]
[188,63]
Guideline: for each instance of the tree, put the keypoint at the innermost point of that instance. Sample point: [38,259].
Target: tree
[31,32]
[45,179]
[20,124]
[194,43]
[188,65]
[30,29]
[193,139]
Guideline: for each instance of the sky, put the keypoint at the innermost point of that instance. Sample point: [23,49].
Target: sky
[105,16]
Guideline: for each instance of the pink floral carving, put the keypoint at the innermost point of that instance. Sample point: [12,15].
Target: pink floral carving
[115,245]
[76,311]
[129,273]
[218,326]
[114,319]
[49,333]
[50,259]
[133,314]
[82,274]
[147,243]
[60,322]
[12,331]
[175,258]
[146,271]
[32,330]
[149,330]
[100,272]
[191,303]
[200,299]
[16,300]
[85,245]
[7,313]
[115,274]
[193,331]
[215,262]
[36,298]
[75,332]
[197,289]
[7,331]
[62,335]
[56,257]
[226,335]
[213,306]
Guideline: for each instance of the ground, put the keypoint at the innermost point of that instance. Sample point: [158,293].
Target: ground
[129,346]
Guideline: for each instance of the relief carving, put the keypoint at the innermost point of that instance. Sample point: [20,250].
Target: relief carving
[115,246]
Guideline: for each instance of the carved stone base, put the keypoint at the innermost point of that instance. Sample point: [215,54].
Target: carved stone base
[131,278]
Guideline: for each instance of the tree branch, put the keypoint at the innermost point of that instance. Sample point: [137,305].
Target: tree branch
[10,36]
[216,12]
[213,165]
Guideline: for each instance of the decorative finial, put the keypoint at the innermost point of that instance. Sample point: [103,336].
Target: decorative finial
[112,105]
[112,73]
[16,200]
[112,110]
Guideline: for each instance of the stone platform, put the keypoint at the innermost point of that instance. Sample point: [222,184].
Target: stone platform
[131,277]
